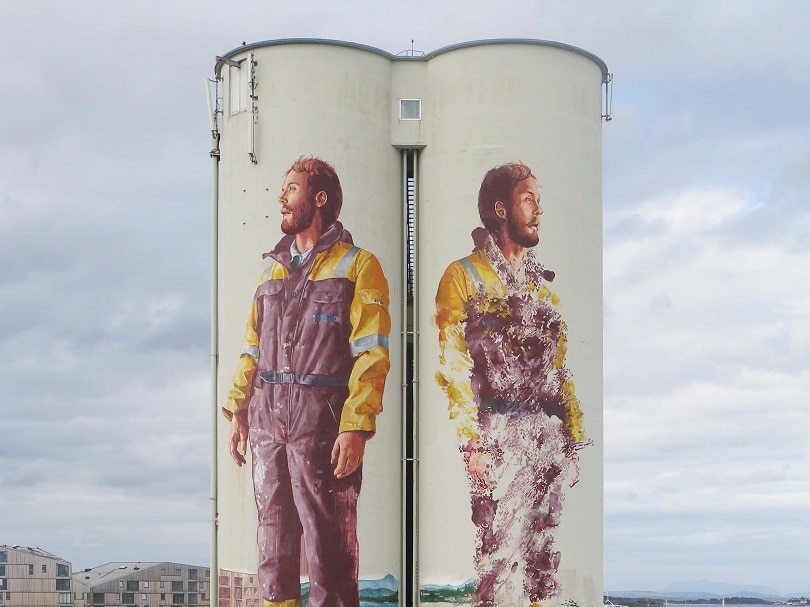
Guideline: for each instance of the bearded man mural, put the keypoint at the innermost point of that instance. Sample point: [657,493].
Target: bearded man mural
[511,397]
[307,391]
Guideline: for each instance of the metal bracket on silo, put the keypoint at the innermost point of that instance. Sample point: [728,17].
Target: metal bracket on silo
[607,97]
[254,109]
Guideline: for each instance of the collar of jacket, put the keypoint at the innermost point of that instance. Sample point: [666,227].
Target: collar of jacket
[535,272]
[333,234]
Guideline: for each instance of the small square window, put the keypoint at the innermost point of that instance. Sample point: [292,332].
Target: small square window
[44,569]
[410,109]
[30,570]
[143,597]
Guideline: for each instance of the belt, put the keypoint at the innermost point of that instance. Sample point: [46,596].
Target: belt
[321,381]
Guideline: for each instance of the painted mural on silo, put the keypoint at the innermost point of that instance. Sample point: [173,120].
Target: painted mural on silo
[308,389]
[510,425]
[511,397]
[307,421]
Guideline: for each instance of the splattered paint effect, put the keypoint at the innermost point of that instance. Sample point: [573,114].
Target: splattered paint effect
[518,420]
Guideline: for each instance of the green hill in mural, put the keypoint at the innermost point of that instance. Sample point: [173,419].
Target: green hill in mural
[462,593]
[385,590]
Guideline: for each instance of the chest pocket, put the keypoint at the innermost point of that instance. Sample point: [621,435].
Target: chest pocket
[270,300]
[325,323]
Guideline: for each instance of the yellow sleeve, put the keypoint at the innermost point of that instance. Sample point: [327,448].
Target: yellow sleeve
[455,364]
[371,326]
[241,390]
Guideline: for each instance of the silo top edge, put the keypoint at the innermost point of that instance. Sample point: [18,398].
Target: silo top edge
[561,45]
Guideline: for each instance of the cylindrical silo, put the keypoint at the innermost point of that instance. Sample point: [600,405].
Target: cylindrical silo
[489,104]
[279,101]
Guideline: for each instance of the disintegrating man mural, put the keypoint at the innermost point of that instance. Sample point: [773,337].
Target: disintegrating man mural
[307,390]
[510,394]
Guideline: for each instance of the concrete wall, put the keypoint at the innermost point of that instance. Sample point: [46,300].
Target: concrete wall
[482,105]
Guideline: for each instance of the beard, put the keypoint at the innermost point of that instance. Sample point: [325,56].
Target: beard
[300,219]
[520,234]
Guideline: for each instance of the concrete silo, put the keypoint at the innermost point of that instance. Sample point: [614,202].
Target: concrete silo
[411,137]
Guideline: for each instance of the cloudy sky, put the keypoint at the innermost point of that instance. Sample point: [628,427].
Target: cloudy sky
[104,269]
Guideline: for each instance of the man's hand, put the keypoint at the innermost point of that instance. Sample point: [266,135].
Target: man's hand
[478,463]
[238,437]
[347,454]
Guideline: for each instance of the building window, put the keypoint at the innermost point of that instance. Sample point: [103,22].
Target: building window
[98,598]
[3,556]
[207,573]
[30,570]
[143,597]
[410,109]
[146,584]
[44,569]
[192,586]
[178,599]
[178,571]
[161,583]
[177,586]
[162,596]
[238,86]
[192,574]
[3,583]
[2,570]
[62,570]
[192,599]
[128,598]
[132,585]
[64,598]
[63,584]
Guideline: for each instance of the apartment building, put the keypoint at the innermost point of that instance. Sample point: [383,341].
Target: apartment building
[33,577]
[145,585]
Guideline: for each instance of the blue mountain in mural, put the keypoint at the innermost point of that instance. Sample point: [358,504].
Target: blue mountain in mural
[383,590]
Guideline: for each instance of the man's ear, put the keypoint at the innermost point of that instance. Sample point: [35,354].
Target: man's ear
[500,209]
[320,199]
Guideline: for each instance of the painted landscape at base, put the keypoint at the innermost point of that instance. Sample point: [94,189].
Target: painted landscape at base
[511,398]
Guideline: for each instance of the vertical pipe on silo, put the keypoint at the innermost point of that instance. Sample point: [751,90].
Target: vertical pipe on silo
[214,577]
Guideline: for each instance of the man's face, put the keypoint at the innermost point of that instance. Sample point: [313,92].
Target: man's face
[297,205]
[523,214]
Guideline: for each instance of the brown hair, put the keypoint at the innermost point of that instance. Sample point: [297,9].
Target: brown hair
[321,176]
[498,184]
